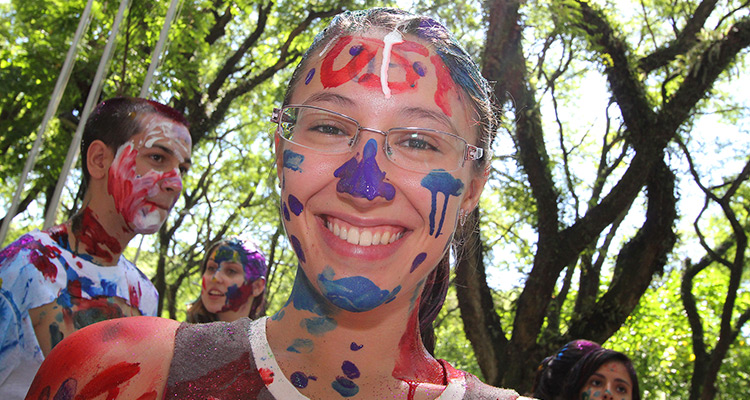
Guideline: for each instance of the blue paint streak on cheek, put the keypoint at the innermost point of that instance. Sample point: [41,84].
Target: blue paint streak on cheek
[364,179]
[345,387]
[301,346]
[355,294]
[439,181]
[293,160]
[295,205]
[309,76]
[418,260]
[297,248]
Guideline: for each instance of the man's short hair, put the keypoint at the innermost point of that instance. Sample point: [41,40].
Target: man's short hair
[116,120]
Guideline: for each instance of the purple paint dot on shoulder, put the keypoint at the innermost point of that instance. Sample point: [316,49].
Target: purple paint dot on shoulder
[356,347]
[350,370]
[309,76]
[299,380]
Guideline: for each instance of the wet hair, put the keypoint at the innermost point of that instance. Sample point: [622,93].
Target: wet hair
[589,364]
[462,69]
[553,370]
[253,263]
[116,120]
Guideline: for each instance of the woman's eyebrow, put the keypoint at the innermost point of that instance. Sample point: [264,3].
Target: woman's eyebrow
[330,98]
[425,113]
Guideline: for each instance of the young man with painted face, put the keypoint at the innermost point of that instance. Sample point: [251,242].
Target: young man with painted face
[54,282]
[382,148]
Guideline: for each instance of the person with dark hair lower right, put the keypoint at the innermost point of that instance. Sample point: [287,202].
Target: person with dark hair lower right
[554,369]
[55,282]
[602,374]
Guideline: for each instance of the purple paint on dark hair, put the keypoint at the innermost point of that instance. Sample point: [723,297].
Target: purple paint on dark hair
[418,260]
[440,181]
[309,76]
[364,179]
[295,205]
[297,248]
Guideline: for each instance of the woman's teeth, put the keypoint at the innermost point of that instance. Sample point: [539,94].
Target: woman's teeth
[364,236]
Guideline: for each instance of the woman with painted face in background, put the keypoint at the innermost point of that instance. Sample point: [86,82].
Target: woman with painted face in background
[553,370]
[382,146]
[232,283]
[603,374]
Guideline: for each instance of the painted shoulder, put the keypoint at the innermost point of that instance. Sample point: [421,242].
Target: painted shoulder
[125,358]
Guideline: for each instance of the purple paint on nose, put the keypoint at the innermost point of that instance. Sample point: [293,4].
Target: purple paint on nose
[364,179]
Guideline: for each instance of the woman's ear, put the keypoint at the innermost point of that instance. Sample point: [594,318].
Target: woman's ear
[473,192]
[99,158]
[279,156]
[259,285]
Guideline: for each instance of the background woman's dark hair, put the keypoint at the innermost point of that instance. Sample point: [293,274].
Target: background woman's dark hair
[116,120]
[589,364]
[254,259]
[553,370]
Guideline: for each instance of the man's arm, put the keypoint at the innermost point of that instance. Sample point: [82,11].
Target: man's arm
[125,358]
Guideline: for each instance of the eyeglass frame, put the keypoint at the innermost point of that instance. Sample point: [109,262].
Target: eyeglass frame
[471,152]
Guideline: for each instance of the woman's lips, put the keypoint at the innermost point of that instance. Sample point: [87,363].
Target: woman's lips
[365,240]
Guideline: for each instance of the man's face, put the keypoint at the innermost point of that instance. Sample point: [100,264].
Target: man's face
[145,178]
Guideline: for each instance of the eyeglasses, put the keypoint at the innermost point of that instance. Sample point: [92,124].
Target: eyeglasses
[415,149]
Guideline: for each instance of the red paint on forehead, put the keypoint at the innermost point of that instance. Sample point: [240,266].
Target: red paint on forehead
[367,49]
[445,84]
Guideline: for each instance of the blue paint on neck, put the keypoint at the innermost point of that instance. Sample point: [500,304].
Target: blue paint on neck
[355,293]
[364,179]
[440,181]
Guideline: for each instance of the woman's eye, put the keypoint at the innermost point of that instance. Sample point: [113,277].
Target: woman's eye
[211,269]
[417,141]
[595,382]
[622,389]
[329,129]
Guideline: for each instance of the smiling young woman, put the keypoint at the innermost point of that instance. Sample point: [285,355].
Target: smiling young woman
[382,144]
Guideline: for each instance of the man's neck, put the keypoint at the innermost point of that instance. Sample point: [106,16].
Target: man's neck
[90,235]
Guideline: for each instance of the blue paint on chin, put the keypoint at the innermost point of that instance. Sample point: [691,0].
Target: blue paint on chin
[293,160]
[297,248]
[345,387]
[295,205]
[355,294]
[440,181]
[418,260]
[364,179]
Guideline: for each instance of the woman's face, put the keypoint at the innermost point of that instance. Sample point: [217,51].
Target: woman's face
[366,231]
[611,381]
[225,286]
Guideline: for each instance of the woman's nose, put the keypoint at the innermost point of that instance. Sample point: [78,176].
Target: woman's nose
[364,178]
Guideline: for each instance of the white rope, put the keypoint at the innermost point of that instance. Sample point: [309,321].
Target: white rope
[156,55]
[62,82]
[91,101]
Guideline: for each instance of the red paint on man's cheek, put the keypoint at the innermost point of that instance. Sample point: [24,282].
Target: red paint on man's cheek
[414,363]
[444,84]
[120,185]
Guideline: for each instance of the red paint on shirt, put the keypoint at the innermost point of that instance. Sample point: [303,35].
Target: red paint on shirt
[267,375]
